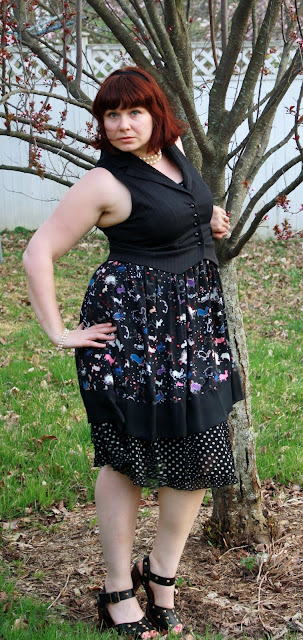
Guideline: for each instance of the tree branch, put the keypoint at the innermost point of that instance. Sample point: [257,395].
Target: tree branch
[47,45]
[245,164]
[79,40]
[212,32]
[224,25]
[40,141]
[233,251]
[177,31]
[121,33]
[49,176]
[226,67]
[265,187]
[139,10]
[67,156]
[72,86]
[140,30]
[234,118]
[179,85]
[7,96]
[269,153]
[56,96]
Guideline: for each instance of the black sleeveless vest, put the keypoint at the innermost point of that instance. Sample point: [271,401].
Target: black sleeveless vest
[169,225]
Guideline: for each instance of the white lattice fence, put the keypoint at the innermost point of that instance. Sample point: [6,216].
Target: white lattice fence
[101,60]
[27,201]
[108,58]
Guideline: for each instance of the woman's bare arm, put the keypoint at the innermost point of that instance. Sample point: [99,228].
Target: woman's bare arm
[79,210]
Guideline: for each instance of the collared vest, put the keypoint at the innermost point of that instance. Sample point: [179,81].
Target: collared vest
[169,225]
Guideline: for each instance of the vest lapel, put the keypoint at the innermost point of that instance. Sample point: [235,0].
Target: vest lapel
[133,166]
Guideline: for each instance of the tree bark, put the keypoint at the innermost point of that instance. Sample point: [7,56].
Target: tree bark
[237,513]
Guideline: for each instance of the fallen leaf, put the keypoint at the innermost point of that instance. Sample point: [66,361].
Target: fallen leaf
[14,391]
[10,526]
[20,624]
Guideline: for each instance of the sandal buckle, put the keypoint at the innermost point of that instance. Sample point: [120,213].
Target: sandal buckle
[114,597]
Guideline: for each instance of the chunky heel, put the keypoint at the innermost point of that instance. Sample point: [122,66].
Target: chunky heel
[136,578]
[162,618]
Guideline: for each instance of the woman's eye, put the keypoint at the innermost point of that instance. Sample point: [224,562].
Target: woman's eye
[135,112]
[112,114]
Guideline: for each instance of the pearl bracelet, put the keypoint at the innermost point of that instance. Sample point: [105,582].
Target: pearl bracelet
[61,342]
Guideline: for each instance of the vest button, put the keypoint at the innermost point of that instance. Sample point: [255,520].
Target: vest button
[199,244]
[195,224]
[195,215]
[192,205]
[197,233]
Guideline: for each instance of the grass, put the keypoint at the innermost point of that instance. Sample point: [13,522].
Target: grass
[28,619]
[46,455]
[271,289]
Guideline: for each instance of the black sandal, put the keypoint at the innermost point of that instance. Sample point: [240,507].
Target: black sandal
[163,619]
[127,629]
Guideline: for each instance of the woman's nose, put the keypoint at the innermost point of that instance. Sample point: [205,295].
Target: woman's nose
[124,123]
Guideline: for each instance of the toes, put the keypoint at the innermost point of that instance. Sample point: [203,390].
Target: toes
[178,628]
[150,634]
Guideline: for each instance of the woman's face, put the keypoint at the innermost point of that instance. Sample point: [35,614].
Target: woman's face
[129,129]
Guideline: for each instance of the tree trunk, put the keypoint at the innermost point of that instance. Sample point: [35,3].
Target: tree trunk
[237,512]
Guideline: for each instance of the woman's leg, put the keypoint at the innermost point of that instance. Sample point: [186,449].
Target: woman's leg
[178,510]
[117,502]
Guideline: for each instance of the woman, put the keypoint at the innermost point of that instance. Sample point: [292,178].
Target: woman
[155,368]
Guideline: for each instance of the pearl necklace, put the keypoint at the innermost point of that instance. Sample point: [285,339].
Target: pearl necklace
[156,157]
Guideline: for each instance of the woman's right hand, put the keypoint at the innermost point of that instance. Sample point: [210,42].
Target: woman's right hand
[98,335]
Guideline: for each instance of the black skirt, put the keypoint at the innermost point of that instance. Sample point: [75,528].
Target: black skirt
[162,390]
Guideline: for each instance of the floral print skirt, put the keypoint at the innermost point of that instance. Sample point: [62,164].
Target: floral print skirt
[160,393]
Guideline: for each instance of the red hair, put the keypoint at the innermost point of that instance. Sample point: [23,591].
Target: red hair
[136,88]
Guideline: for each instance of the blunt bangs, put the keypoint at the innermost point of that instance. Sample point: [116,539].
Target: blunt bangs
[123,94]
[134,87]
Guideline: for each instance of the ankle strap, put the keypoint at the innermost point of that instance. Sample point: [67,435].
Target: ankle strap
[114,597]
[149,575]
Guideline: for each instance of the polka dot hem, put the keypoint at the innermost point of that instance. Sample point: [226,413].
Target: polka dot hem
[200,460]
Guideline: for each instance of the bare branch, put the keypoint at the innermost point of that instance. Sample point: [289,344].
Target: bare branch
[239,110]
[227,63]
[79,40]
[212,32]
[7,96]
[47,45]
[122,34]
[49,176]
[234,250]
[61,153]
[178,33]
[40,141]
[142,15]
[155,53]
[179,85]
[269,153]
[245,164]
[224,25]
[260,193]
[56,96]
[71,85]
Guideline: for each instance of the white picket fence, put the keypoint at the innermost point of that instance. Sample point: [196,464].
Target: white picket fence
[27,200]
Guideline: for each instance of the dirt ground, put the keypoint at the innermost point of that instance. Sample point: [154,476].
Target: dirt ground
[251,592]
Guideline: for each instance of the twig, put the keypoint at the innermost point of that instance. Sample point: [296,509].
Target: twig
[244,546]
[59,594]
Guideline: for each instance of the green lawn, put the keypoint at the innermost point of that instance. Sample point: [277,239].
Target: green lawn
[46,454]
